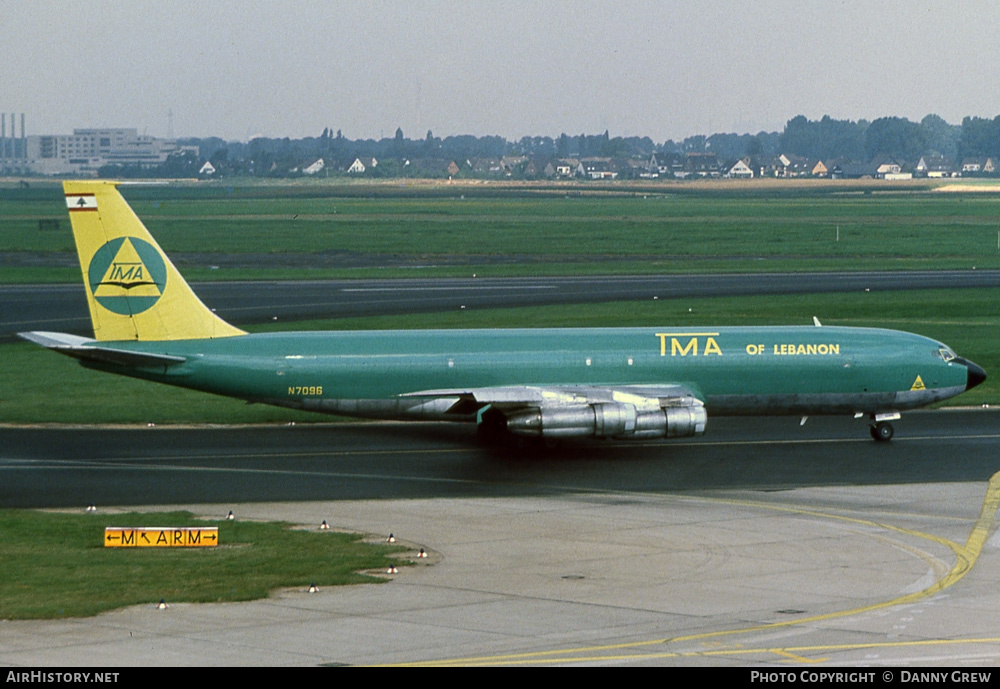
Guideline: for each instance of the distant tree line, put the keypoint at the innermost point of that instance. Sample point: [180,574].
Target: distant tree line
[891,137]
[824,139]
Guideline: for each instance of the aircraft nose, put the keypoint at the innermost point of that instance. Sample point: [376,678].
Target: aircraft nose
[976,373]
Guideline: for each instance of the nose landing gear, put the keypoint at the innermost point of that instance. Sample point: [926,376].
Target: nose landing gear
[882,431]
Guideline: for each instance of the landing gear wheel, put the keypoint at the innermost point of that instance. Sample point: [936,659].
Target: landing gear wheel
[882,431]
[492,428]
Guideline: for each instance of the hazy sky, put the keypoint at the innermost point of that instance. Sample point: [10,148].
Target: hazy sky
[662,69]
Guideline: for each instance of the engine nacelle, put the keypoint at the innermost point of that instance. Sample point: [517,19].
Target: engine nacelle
[685,421]
[609,420]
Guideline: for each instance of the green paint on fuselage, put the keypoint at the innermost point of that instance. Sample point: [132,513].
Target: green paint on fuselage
[733,370]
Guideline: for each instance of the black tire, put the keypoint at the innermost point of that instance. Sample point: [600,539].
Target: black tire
[882,431]
[492,428]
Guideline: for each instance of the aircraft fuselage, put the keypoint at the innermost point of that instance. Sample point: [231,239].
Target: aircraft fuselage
[760,370]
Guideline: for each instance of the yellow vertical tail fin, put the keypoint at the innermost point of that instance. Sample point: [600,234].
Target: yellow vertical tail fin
[133,290]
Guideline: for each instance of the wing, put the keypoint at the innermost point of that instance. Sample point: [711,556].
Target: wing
[639,411]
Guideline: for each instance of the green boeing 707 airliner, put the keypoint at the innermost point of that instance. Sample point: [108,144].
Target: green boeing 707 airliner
[549,382]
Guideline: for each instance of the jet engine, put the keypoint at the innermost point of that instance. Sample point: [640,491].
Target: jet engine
[609,420]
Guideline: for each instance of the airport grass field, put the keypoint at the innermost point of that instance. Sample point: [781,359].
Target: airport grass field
[251,560]
[315,230]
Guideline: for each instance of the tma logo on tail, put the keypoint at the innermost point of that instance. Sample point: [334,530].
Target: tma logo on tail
[127,276]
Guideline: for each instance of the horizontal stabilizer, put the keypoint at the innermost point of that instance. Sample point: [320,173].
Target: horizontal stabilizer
[87,349]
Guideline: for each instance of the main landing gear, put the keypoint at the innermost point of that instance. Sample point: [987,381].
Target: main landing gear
[492,429]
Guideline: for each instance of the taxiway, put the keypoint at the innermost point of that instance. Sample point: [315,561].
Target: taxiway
[761,543]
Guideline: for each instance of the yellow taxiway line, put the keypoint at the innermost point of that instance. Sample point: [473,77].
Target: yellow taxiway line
[965,558]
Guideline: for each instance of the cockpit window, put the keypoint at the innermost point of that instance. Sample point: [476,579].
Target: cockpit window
[945,353]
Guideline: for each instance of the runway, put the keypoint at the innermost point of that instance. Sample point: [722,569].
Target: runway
[75,467]
[762,543]
[63,308]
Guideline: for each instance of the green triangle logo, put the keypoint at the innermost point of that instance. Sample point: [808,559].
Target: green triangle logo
[127,275]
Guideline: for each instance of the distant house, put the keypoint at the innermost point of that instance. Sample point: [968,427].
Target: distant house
[314,168]
[936,167]
[779,166]
[207,169]
[791,165]
[885,167]
[819,169]
[701,165]
[513,164]
[740,170]
[979,165]
[361,165]
[665,164]
[596,168]
[564,166]
[486,166]
[631,168]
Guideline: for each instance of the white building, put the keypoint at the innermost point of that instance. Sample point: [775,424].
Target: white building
[314,168]
[359,166]
[740,170]
[86,150]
